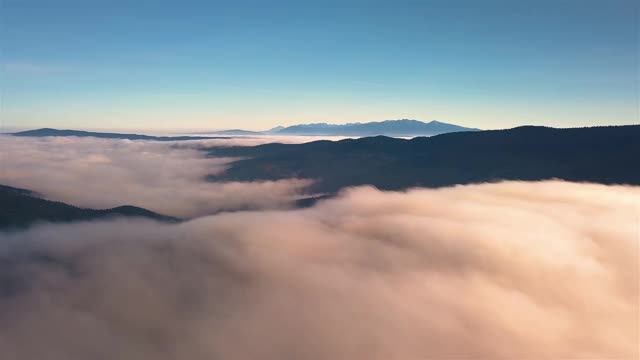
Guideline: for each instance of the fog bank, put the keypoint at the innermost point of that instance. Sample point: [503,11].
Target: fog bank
[164,177]
[513,270]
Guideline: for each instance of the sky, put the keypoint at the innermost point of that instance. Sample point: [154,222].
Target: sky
[201,65]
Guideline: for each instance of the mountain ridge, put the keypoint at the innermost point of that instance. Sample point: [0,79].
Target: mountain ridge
[593,154]
[401,127]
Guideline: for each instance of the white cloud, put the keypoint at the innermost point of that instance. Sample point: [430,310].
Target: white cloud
[513,270]
[165,177]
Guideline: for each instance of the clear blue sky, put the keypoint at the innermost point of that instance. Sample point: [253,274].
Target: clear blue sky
[238,64]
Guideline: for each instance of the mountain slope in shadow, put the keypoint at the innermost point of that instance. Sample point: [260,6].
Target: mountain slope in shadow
[20,208]
[607,155]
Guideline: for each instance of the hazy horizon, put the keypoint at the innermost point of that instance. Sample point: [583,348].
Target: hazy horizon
[215,131]
[253,65]
[178,130]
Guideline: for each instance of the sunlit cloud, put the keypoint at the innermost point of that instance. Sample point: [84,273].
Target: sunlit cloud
[502,271]
[168,178]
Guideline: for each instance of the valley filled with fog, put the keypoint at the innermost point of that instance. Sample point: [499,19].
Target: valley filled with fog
[495,270]
[164,177]
[319,180]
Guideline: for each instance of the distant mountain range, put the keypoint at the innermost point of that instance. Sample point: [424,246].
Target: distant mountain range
[389,128]
[20,208]
[55,132]
[607,155]
[402,127]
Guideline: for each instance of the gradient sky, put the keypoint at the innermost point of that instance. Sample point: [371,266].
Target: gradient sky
[256,64]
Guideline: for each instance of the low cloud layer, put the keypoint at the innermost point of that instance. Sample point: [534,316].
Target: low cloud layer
[485,272]
[251,140]
[163,177]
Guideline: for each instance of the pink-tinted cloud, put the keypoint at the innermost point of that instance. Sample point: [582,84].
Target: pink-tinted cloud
[513,270]
[164,177]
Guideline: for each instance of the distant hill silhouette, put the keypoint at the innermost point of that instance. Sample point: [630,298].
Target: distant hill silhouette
[402,127]
[237,132]
[55,132]
[20,208]
[607,155]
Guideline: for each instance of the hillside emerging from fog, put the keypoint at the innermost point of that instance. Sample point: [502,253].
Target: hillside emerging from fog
[20,208]
[606,155]
[279,175]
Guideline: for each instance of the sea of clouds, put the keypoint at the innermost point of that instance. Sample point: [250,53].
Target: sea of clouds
[166,177]
[513,270]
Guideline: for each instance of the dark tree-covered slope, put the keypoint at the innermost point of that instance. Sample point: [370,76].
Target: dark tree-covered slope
[20,208]
[608,155]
